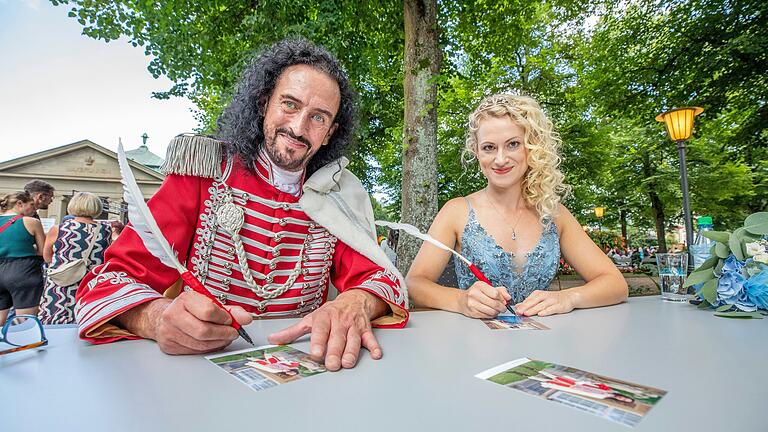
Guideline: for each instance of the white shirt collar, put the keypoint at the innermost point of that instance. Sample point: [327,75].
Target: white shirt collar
[284,180]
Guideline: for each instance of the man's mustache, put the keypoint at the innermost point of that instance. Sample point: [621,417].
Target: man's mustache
[298,138]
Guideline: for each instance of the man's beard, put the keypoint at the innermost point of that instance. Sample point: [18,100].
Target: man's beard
[287,159]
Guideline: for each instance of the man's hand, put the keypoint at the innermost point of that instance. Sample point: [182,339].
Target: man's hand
[543,303]
[483,301]
[190,324]
[339,328]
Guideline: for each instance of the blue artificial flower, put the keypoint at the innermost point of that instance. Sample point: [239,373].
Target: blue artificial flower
[731,283]
[756,289]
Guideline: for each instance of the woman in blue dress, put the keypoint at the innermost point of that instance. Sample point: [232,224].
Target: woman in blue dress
[515,229]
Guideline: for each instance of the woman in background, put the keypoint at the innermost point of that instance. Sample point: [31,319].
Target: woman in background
[515,228]
[68,242]
[21,244]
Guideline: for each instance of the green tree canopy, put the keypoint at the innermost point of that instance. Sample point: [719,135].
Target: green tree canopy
[601,69]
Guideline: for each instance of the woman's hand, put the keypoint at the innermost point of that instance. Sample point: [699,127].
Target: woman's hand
[483,301]
[543,303]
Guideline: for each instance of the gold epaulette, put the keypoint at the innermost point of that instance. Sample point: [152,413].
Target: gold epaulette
[193,155]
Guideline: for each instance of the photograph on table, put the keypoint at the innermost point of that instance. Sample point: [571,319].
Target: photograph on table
[267,366]
[514,322]
[619,401]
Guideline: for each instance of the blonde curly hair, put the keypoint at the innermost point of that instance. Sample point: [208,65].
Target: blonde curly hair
[543,185]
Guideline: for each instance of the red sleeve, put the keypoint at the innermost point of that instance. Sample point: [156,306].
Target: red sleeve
[131,275]
[351,270]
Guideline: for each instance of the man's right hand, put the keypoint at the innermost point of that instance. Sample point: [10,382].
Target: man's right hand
[484,301]
[189,324]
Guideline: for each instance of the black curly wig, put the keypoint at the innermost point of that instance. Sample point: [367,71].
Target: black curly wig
[241,125]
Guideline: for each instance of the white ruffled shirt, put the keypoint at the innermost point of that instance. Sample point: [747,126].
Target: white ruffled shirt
[284,180]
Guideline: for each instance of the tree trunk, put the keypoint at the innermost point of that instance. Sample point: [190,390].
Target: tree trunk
[421,66]
[623,221]
[657,207]
[658,214]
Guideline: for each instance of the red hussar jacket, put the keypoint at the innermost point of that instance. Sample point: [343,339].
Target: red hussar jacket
[249,243]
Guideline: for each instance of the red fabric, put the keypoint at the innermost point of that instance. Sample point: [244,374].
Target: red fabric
[132,276]
[10,222]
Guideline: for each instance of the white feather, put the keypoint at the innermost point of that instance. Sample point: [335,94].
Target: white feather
[412,230]
[141,218]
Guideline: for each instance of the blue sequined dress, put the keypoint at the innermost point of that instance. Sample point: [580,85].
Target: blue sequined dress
[499,265]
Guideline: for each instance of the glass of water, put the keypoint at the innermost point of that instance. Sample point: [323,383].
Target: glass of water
[672,267]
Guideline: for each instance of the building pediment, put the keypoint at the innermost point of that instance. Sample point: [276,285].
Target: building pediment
[81,166]
[83,159]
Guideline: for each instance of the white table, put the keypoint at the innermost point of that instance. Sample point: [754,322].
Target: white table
[715,371]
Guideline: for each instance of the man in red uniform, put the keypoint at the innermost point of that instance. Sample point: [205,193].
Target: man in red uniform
[266,219]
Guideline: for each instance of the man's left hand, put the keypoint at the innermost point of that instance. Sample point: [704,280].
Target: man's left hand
[339,329]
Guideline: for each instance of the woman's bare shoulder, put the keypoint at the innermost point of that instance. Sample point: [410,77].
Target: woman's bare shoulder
[458,208]
[564,218]
[30,221]
[454,213]
[454,205]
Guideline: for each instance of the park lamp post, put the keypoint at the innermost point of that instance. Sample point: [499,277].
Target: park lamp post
[679,122]
[599,213]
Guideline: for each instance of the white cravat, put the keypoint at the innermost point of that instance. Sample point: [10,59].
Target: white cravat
[284,180]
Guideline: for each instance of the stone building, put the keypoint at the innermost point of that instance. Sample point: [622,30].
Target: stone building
[81,166]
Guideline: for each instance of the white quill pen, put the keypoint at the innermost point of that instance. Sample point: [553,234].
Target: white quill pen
[141,218]
[412,230]
[145,226]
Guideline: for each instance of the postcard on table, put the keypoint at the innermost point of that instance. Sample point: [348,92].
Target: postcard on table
[267,366]
[619,401]
[514,322]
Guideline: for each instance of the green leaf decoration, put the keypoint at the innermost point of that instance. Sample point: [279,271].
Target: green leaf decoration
[740,314]
[718,236]
[709,263]
[746,237]
[724,308]
[736,246]
[719,268]
[704,305]
[699,276]
[757,223]
[722,250]
[709,291]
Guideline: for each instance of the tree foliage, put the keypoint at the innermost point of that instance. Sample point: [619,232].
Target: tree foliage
[648,56]
[602,70]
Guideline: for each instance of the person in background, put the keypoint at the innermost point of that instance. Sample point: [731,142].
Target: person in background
[41,193]
[68,242]
[515,228]
[389,245]
[117,228]
[21,243]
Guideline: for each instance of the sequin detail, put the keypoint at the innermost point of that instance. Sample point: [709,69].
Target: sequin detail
[498,265]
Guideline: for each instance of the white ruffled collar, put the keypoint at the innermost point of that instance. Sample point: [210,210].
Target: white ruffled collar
[284,180]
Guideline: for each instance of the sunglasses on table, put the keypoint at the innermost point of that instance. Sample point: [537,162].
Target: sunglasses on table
[22,332]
